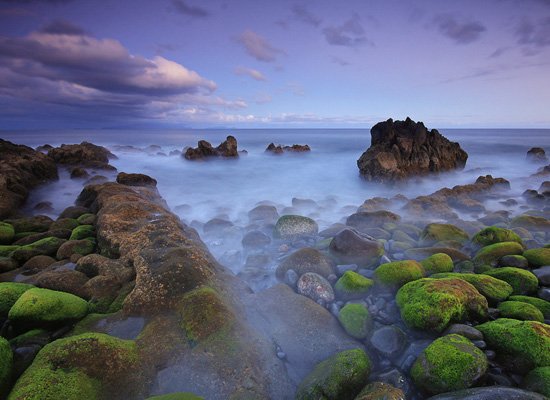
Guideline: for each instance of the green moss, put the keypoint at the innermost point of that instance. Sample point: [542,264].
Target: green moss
[7,233]
[43,306]
[47,247]
[9,293]
[356,320]
[64,223]
[493,234]
[431,304]
[82,232]
[86,219]
[118,302]
[87,323]
[434,233]
[339,377]
[531,223]
[352,285]
[494,290]
[176,396]
[450,363]
[490,255]
[400,247]
[522,281]
[33,335]
[397,273]
[538,380]
[6,364]
[292,226]
[520,310]
[5,251]
[438,262]
[542,305]
[89,366]
[538,257]
[525,341]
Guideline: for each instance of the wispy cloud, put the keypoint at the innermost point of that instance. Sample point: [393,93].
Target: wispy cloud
[252,73]
[459,31]
[533,35]
[302,14]
[186,9]
[258,47]
[61,27]
[350,34]
[339,61]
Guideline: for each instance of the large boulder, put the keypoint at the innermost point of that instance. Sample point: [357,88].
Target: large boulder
[227,149]
[400,149]
[85,153]
[305,260]
[352,247]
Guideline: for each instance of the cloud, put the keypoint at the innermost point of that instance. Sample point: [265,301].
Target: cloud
[194,11]
[259,48]
[350,34]
[302,14]
[533,35]
[461,32]
[254,74]
[339,61]
[35,1]
[60,27]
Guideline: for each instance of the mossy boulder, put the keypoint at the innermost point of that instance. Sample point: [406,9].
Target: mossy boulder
[434,233]
[524,342]
[493,289]
[431,304]
[43,247]
[88,366]
[493,234]
[514,261]
[341,376]
[7,264]
[380,391]
[420,253]
[6,365]
[38,223]
[305,260]
[531,222]
[6,250]
[36,307]
[82,247]
[294,226]
[542,305]
[64,223]
[355,320]
[87,219]
[450,363]
[351,285]
[522,281]
[82,232]
[353,247]
[7,233]
[538,257]
[436,263]
[538,380]
[9,294]
[396,274]
[176,396]
[520,310]
[490,255]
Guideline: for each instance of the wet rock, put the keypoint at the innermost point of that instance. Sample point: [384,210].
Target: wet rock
[520,310]
[395,378]
[388,340]
[9,294]
[531,223]
[537,154]
[538,380]
[37,223]
[62,280]
[295,226]
[491,254]
[291,278]
[306,260]
[74,212]
[420,253]
[515,261]
[395,274]
[353,247]
[37,264]
[542,274]
[464,330]
[380,390]
[355,320]
[522,281]
[226,149]
[58,233]
[404,148]
[79,173]
[82,247]
[135,179]
[7,264]
[489,393]
[434,233]
[352,285]
[370,219]
[542,305]
[538,257]
[315,287]
[86,154]
[279,149]
[437,263]
[264,213]
[493,234]
[493,289]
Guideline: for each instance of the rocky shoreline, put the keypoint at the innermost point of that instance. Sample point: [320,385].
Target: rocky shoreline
[117,298]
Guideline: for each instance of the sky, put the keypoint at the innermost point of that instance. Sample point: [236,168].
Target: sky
[254,63]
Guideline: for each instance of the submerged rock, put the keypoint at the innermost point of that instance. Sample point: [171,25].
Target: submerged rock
[537,154]
[352,247]
[279,149]
[295,226]
[402,149]
[227,149]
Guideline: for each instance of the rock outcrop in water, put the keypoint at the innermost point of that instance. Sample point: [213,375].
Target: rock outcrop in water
[21,168]
[84,154]
[227,149]
[400,149]
[279,149]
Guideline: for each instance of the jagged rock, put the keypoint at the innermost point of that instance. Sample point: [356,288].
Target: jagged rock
[85,154]
[279,149]
[228,148]
[135,179]
[400,149]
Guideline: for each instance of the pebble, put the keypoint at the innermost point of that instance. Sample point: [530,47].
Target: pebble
[388,340]
[291,278]
[334,309]
[315,287]
[544,293]
[281,355]
[346,267]
[464,330]
[384,259]
[543,274]
[480,344]
[490,354]
[367,273]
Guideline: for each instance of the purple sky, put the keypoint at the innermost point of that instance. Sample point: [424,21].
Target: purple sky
[255,63]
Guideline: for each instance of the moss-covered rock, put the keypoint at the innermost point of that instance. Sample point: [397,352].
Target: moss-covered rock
[351,285]
[176,396]
[82,232]
[434,233]
[305,260]
[380,391]
[43,247]
[526,342]
[356,320]
[82,247]
[9,293]
[88,366]
[420,253]
[87,219]
[338,377]
[38,223]
[520,310]
[431,304]
[531,222]
[522,281]
[538,257]
[513,261]
[494,290]
[542,305]
[436,263]
[64,223]
[7,233]
[7,264]
[493,234]
[293,226]
[33,336]
[396,274]
[36,307]
[490,255]
[450,363]
[6,250]
[6,365]
[538,380]
[353,247]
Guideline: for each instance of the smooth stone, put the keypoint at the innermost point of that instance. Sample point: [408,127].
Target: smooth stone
[291,278]
[412,352]
[544,293]
[346,267]
[395,378]
[480,344]
[315,287]
[543,274]
[388,340]
[465,330]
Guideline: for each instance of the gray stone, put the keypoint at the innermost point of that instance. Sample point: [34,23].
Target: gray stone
[388,340]
[315,287]
[464,330]
[543,274]
[490,393]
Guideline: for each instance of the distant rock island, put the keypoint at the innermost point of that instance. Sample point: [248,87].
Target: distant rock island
[401,149]
[228,148]
[279,149]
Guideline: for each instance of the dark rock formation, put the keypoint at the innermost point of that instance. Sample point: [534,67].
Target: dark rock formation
[205,149]
[400,149]
[135,179]
[85,154]
[537,154]
[21,168]
[279,149]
